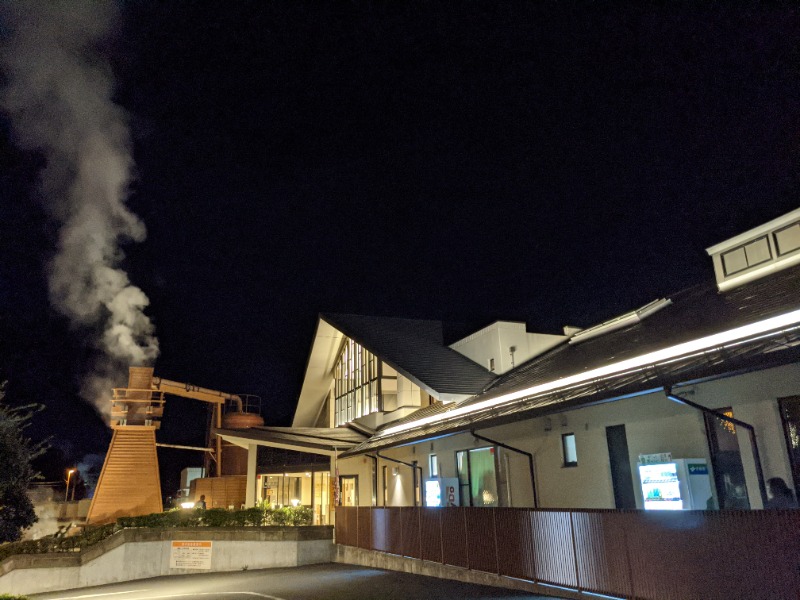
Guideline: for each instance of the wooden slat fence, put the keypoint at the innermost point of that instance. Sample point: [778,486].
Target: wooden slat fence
[640,555]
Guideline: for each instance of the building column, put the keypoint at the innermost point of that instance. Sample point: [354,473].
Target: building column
[252,461]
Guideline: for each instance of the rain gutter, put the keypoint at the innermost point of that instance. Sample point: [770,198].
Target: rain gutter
[723,417]
[413,467]
[507,447]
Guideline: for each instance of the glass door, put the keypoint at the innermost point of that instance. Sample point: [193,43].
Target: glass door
[477,477]
[348,484]
[322,498]
[790,415]
[723,443]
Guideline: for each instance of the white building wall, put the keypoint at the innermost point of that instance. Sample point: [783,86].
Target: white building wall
[753,397]
[408,393]
[362,467]
[496,342]
[653,424]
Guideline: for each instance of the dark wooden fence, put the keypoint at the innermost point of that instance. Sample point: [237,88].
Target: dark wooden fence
[678,555]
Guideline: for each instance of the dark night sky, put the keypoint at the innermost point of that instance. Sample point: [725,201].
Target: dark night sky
[557,163]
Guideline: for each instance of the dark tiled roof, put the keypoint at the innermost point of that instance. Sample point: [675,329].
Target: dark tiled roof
[696,312]
[414,347]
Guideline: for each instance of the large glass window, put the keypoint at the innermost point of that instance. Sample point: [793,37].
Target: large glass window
[356,387]
[477,477]
[311,489]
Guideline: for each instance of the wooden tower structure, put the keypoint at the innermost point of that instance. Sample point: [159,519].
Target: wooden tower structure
[129,483]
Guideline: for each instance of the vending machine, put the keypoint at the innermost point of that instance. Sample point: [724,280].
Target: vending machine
[680,484]
[441,491]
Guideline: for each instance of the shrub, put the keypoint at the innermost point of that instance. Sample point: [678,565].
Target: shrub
[290,515]
[198,517]
[216,517]
[254,516]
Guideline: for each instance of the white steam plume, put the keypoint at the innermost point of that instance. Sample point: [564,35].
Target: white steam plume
[58,95]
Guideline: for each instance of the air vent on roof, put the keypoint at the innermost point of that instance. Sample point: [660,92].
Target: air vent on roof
[758,252]
[629,318]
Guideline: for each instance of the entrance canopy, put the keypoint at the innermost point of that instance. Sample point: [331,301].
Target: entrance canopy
[312,440]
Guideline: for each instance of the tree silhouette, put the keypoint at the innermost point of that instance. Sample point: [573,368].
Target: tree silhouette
[16,471]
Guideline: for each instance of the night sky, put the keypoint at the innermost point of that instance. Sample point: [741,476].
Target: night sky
[557,163]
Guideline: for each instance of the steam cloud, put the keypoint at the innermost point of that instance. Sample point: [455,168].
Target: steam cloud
[58,94]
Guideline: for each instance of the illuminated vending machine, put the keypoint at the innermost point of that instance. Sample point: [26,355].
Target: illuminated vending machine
[680,484]
[441,492]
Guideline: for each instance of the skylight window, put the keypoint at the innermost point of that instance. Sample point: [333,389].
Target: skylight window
[629,318]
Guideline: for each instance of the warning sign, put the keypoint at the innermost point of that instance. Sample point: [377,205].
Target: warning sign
[190,555]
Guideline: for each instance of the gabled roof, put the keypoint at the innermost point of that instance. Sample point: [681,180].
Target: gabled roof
[415,348]
[554,381]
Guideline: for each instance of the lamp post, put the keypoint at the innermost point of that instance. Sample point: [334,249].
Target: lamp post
[69,475]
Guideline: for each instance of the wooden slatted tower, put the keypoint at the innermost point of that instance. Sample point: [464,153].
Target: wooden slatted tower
[129,483]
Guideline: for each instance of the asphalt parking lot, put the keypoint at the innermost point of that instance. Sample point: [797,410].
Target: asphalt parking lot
[317,582]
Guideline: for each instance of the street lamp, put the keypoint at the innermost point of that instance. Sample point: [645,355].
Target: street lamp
[66,492]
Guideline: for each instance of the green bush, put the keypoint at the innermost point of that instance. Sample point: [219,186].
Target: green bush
[216,517]
[254,516]
[10,597]
[289,515]
[56,543]
[213,517]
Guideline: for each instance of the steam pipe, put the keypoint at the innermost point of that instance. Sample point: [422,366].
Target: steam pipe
[187,390]
[750,429]
[528,454]
[180,447]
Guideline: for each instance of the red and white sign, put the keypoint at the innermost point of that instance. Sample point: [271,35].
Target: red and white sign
[190,555]
[450,491]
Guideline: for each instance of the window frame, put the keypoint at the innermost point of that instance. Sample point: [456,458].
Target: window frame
[433,465]
[564,462]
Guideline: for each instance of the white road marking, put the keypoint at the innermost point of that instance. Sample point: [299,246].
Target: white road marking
[168,596]
[215,594]
[99,595]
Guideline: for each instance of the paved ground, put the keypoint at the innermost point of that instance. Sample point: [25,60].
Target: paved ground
[318,582]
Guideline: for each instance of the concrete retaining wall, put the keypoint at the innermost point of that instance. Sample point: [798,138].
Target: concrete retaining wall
[392,562]
[141,553]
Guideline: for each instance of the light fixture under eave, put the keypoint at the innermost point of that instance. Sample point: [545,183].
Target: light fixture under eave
[774,325]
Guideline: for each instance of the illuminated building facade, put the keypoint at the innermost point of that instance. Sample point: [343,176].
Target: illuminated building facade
[707,379]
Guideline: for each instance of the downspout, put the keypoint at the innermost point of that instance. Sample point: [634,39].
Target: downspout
[413,467]
[750,429]
[528,454]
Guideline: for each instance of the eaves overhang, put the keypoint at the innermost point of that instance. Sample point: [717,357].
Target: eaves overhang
[328,442]
[760,351]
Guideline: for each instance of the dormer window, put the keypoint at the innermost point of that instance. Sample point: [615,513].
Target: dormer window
[758,252]
[787,239]
[746,256]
